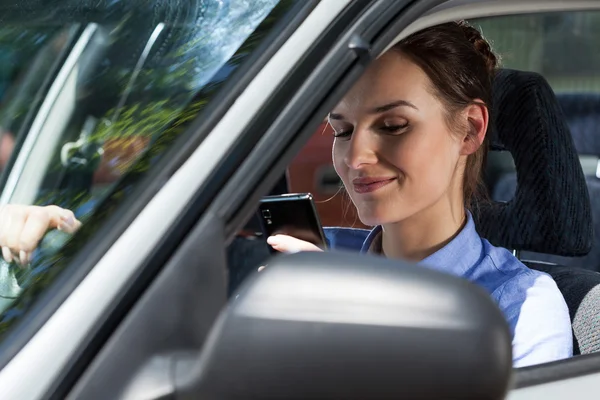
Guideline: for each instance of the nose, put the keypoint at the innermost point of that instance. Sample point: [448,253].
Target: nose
[361,150]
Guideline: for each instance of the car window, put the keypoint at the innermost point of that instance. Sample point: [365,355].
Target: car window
[130,77]
[563,47]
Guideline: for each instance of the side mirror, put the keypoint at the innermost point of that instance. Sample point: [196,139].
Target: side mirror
[344,326]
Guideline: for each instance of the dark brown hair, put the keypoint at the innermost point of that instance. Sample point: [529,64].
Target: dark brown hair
[461,66]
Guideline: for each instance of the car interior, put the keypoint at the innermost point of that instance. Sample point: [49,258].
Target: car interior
[579,110]
[546,218]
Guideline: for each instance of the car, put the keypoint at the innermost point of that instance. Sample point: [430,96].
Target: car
[162,124]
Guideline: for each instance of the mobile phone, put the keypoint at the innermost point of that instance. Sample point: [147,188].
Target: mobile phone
[291,214]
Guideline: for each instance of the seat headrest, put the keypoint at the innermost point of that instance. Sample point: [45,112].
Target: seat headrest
[581,111]
[550,212]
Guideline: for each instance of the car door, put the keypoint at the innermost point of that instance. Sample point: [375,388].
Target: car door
[577,376]
[264,164]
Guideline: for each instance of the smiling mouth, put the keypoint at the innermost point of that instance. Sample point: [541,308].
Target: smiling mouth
[369,185]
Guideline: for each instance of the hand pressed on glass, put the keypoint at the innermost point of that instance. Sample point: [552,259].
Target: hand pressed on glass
[22,227]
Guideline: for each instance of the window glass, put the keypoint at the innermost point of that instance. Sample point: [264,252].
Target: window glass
[27,56]
[128,80]
[563,47]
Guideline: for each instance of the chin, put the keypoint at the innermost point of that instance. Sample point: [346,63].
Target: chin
[381,215]
[371,218]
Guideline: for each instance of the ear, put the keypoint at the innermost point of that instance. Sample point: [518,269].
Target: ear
[477,118]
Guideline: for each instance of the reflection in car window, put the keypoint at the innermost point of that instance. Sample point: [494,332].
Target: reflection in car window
[28,56]
[132,79]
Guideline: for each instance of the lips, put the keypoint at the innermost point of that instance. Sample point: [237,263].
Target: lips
[371,184]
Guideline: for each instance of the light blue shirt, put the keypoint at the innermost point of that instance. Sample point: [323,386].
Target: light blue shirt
[530,300]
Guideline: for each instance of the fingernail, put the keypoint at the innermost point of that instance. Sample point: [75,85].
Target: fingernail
[68,222]
[272,240]
[24,258]
[7,254]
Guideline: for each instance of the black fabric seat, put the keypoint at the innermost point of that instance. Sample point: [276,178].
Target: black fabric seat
[581,288]
[504,190]
[582,113]
[550,211]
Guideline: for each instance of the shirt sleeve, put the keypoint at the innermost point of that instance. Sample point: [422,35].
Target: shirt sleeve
[538,318]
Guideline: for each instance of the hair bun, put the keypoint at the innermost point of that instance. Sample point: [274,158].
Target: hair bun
[481,45]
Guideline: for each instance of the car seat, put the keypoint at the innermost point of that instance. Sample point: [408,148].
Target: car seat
[582,113]
[550,212]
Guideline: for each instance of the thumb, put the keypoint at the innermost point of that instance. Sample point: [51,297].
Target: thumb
[289,244]
[62,219]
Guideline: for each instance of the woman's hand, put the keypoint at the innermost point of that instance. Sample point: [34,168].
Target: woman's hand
[22,228]
[289,244]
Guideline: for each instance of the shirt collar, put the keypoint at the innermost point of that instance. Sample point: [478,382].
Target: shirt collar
[372,243]
[462,253]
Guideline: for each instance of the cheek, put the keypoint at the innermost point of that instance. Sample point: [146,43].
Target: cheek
[427,157]
[338,153]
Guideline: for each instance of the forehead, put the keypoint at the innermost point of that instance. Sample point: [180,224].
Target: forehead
[391,77]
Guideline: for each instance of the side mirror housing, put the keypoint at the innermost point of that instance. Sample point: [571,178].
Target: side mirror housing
[346,326]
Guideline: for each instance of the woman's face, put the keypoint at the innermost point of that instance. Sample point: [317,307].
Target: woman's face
[393,149]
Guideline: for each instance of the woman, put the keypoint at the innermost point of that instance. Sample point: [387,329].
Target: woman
[410,142]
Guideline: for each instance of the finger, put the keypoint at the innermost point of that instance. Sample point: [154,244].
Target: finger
[3,215]
[15,221]
[289,244]
[6,211]
[7,254]
[62,219]
[35,227]
[71,225]
[24,258]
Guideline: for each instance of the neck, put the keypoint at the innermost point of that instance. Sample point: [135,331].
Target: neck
[424,233]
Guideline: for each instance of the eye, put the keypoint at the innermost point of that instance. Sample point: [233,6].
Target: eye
[342,134]
[393,128]
[342,130]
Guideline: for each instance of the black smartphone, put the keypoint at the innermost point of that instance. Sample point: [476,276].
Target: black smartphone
[291,214]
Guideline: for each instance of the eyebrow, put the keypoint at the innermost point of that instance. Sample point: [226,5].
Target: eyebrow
[379,109]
